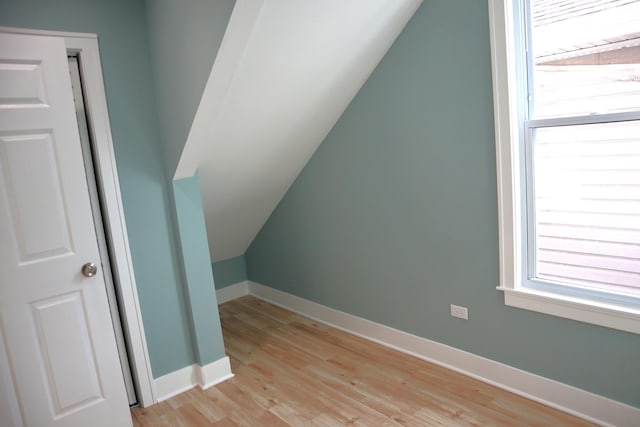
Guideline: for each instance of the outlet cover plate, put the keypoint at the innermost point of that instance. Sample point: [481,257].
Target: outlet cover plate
[460,312]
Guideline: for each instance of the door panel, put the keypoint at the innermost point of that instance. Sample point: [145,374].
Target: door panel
[21,83]
[9,406]
[67,354]
[32,192]
[59,345]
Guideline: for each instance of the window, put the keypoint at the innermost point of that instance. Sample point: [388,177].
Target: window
[566,81]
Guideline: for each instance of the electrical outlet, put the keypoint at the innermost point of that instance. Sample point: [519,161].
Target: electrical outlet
[461,312]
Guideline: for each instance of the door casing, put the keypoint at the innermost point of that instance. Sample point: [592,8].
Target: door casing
[85,46]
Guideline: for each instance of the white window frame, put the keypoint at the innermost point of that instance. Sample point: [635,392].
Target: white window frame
[511,218]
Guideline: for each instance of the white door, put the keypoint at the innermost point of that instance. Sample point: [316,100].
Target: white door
[58,359]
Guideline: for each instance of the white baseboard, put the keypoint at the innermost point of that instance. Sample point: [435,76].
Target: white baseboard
[188,377]
[174,383]
[583,404]
[232,292]
[213,373]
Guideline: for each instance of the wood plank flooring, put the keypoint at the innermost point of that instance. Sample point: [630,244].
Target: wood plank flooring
[292,371]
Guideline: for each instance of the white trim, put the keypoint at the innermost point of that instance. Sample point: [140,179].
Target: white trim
[175,382]
[48,33]
[86,46]
[583,404]
[113,212]
[609,315]
[506,130]
[232,292]
[184,379]
[213,373]
[591,119]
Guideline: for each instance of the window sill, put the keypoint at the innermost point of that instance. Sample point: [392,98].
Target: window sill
[602,314]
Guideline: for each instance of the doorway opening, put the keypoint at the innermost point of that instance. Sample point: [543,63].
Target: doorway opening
[95,191]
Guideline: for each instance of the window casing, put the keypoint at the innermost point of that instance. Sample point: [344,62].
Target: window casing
[516,127]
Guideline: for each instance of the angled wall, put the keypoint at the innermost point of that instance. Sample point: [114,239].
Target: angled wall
[285,73]
[395,216]
[184,38]
[230,271]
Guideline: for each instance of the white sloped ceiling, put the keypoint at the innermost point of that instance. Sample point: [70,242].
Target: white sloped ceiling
[285,72]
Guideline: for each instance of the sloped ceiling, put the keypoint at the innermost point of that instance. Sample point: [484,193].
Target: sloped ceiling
[285,72]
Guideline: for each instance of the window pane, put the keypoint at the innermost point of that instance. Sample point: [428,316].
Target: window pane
[587,205]
[585,57]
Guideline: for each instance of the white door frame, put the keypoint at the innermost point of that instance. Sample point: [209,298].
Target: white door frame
[86,47]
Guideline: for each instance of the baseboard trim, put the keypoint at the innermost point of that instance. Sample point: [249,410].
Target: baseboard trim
[174,383]
[179,381]
[213,373]
[232,292]
[566,398]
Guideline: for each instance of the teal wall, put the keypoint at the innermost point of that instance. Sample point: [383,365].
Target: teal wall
[122,33]
[395,216]
[194,249]
[229,271]
[184,39]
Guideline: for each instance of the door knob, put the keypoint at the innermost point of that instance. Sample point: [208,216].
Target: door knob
[89,269]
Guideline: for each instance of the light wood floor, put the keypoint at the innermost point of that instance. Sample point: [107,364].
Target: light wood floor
[292,371]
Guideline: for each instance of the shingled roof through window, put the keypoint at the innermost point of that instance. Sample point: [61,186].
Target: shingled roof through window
[569,28]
